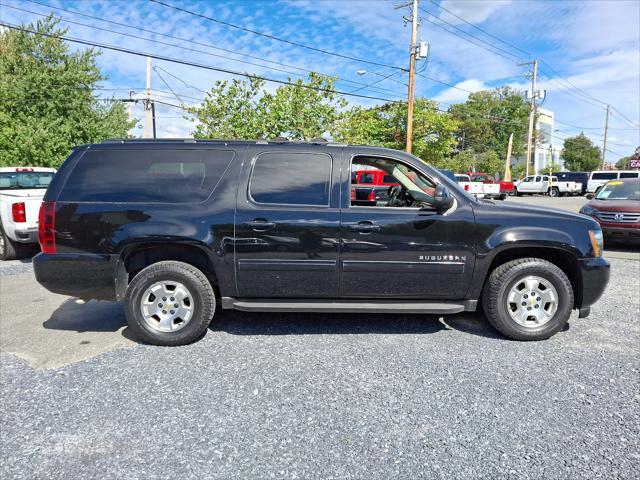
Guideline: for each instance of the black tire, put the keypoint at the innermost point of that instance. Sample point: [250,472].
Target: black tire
[504,278]
[8,249]
[554,192]
[502,197]
[204,303]
[518,194]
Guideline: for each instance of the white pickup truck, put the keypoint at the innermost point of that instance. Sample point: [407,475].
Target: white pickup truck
[479,189]
[543,184]
[21,193]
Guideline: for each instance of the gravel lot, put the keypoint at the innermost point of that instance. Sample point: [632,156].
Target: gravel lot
[316,396]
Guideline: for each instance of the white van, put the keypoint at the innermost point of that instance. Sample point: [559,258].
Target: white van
[600,177]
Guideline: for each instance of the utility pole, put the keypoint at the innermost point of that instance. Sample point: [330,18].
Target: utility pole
[412,69]
[606,132]
[153,117]
[507,165]
[147,103]
[532,113]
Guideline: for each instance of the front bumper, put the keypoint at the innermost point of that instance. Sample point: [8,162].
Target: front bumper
[631,232]
[82,275]
[595,277]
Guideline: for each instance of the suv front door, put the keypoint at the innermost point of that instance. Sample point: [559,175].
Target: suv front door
[404,252]
[287,223]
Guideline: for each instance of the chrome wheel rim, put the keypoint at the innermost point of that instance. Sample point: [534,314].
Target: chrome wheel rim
[2,244]
[167,306]
[532,301]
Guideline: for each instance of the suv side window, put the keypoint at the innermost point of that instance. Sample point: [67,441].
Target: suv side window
[149,175]
[629,174]
[283,178]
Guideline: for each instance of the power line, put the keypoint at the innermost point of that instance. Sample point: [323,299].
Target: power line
[194,64]
[273,37]
[182,39]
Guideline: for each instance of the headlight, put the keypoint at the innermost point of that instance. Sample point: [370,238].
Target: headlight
[597,242]
[587,210]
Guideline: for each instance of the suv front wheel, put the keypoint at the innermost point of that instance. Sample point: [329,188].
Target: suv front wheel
[528,299]
[169,303]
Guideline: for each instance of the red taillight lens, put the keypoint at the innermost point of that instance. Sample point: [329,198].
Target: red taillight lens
[18,212]
[466,187]
[46,226]
[353,194]
[372,196]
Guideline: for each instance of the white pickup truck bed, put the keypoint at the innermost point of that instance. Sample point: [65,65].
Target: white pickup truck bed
[21,192]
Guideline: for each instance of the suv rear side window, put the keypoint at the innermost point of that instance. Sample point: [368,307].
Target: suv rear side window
[604,175]
[291,179]
[146,175]
[629,174]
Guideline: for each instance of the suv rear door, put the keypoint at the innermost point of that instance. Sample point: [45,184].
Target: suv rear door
[287,222]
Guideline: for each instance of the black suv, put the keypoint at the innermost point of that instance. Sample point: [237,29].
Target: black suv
[178,228]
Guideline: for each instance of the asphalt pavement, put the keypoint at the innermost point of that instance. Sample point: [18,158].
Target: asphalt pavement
[316,396]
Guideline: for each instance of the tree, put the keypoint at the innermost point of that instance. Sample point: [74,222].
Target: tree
[488,118]
[242,109]
[47,105]
[386,126]
[580,154]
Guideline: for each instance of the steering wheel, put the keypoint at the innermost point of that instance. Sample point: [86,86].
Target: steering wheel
[394,196]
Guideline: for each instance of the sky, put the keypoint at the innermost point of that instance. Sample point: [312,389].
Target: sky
[589,52]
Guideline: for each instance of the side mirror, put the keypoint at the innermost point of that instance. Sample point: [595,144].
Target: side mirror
[442,199]
[590,196]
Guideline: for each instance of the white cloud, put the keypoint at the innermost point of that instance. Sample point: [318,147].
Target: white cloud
[476,11]
[456,95]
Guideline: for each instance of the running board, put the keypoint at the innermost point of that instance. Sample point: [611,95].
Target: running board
[347,306]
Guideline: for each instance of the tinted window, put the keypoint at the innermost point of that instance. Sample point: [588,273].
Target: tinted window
[389,179]
[366,178]
[629,174]
[604,175]
[146,175]
[291,178]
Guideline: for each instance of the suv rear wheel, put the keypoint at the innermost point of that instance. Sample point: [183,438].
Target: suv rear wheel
[528,299]
[169,303]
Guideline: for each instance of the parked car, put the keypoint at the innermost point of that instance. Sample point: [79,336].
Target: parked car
[580,178]
[600,177]
[363,196]
[21,192]
[616,207]
[269,226]
[543,184]
[474,188]
[506,187]
[380,181]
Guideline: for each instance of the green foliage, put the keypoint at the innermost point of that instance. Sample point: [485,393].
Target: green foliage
[489,117]
[386,126]
[46,104]
[469,160]
[580,154]
[241,109]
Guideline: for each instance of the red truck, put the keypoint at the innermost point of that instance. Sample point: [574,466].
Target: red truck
[378,180]
[506,187]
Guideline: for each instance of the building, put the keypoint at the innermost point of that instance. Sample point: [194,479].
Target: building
[546,151]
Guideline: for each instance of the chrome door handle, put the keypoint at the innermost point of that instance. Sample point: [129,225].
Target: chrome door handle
[364,227]
[260,225]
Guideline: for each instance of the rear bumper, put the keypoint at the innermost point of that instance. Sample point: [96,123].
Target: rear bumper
[26,235]
[87,276]
[595,277]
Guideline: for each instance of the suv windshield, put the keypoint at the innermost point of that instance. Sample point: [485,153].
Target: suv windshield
[620,191]
[25,180]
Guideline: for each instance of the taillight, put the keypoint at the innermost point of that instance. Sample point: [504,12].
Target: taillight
[353,194]
[466,187]
[18,212]
[372,196]
[46,225]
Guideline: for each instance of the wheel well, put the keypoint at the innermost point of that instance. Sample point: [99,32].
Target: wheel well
[560,258]
[147,254]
